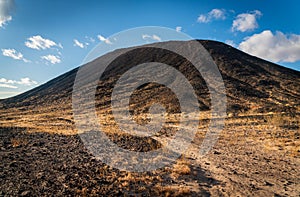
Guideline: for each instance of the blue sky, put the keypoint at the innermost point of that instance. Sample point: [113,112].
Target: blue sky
[42,39]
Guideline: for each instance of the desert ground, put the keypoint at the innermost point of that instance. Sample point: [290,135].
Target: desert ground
[256,155]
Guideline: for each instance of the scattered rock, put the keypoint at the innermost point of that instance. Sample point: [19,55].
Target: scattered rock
[25,193]
[267,183]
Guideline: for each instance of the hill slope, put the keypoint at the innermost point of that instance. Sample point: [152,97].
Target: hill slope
[251,83]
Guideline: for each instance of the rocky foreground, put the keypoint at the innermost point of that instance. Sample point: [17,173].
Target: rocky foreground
[42,164]
[49,164]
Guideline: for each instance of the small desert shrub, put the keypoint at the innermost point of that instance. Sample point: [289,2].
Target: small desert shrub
[283,121]
[276,120]
[170,190]
[181,167]
[18,142]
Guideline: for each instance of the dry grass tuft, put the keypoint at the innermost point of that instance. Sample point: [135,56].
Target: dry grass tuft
[169,190]
[18,142]
[181,167]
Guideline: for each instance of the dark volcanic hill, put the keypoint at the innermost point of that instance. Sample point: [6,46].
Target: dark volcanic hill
[252,84]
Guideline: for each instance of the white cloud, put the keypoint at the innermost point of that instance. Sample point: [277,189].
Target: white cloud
[60,45]
[88,41]
[4,20]
[230,42]
[155,37]
[7,86]
[3,80]
[79,44]
[38,42]
[217,14]
[26,81]
[214,14]
[53,59]
[202,19]
[276,47]
[8,83]
[103,39]
[6,8]
[178,29]
[246,21]
[13,54]
[149,37]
